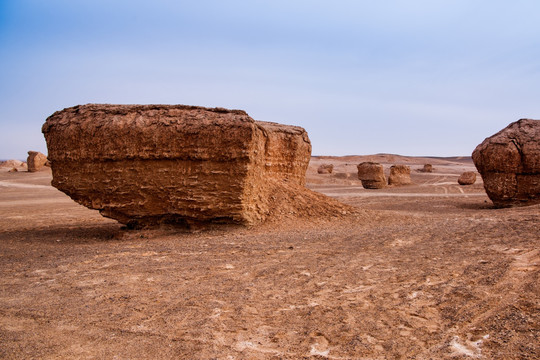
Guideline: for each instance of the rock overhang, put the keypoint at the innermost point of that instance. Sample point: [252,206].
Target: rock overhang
[143,164]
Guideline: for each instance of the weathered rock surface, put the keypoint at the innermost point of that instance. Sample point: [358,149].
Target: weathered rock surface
[35,161]
[509,163]
[399,175]
[325,169]
[372,175]
[427,168]
[147,164]
[13,170]
[467,178]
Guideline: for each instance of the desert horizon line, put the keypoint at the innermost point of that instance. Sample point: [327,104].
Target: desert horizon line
[332,156]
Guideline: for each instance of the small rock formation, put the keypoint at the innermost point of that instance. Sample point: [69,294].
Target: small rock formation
[427,168]
[35,161]
[150,164]
[325,169]
[13,170]
[399,175]
[509,163]
[372,175]
[467,178]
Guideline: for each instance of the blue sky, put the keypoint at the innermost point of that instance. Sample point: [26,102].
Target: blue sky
[412,77]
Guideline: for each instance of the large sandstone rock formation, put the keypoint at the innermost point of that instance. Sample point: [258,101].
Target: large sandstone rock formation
[372,175]
[147,164]
[467,178]
[399,175]
[35,161]
[509,163]
[325,169]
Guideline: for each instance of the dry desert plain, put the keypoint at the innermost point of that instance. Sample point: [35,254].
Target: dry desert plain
[426,271]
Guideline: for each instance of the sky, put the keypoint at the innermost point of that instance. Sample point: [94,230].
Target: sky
[415,77]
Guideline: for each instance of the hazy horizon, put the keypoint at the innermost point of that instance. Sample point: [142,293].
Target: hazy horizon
[414,78]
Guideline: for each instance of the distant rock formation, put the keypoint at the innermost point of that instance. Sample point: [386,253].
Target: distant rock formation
[399,175]
[325,169]
[372,175]
[35,161]
[467,178]
[509,163]
[345,175]
[427,168]
[13,170]
[150,164]
[12,163]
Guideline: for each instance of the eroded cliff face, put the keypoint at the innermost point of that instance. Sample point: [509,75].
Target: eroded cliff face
[147,164]
[509,163]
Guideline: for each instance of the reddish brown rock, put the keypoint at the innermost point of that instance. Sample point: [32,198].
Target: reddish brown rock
[467,178]
[509,163]
[148,164]
[427,168]
[325,169]
[372,175]
[35,161]
[399,175]
[13,170]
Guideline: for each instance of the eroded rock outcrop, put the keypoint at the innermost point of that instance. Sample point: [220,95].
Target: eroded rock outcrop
[35,161]
[509,163]
[427,168]
[399,175]
[325,169]
[467,178]
[147,164]
[372,175]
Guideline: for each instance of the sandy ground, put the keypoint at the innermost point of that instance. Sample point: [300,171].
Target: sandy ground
[428,271]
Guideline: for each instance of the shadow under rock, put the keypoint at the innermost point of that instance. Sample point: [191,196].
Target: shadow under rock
[61,233]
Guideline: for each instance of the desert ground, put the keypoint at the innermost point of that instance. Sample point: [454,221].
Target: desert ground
[426,271]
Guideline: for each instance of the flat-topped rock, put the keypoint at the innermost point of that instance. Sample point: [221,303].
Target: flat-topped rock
[509,162]
[399,175]
[146,164]
[36,161]
[372,175]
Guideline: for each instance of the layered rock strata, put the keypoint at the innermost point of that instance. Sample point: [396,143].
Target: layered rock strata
[399,175]
[372,175]
[147,164]
[509,163]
